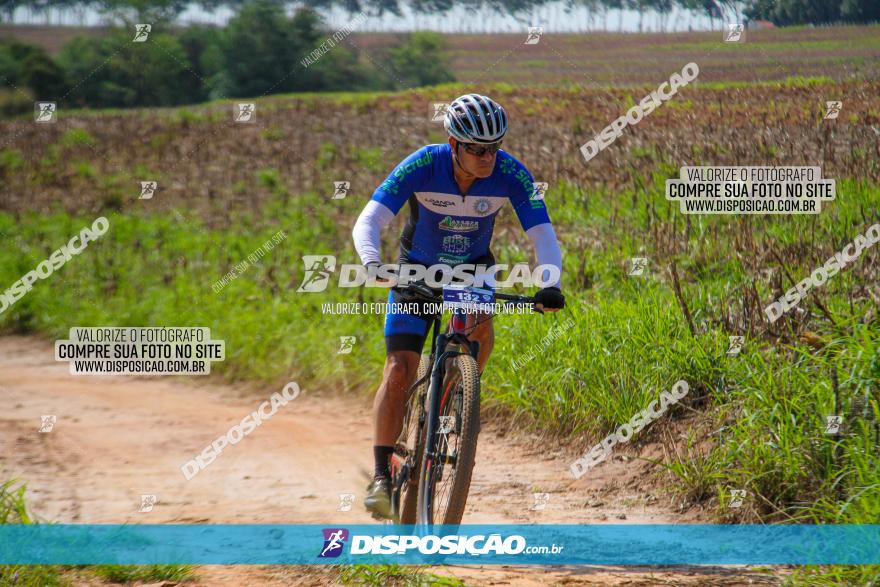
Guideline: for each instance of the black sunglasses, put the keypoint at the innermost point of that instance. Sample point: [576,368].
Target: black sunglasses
[480,151]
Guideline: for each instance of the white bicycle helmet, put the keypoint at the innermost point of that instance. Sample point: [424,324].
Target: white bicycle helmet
[473,118]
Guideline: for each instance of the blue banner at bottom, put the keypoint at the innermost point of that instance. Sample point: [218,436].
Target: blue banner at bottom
[700,544]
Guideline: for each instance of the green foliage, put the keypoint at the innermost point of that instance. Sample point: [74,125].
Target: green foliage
[113,71]
[393,575]
[151,573]
[78,136]
[791,12]
[27,73]
[420,61]
[10,161]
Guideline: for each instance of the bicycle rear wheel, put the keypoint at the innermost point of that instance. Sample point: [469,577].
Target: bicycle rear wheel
[413,441]
[444,482]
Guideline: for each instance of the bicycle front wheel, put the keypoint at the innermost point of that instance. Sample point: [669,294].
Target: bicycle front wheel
[444,481]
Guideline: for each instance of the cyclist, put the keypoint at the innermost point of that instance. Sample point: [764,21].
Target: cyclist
[454,192]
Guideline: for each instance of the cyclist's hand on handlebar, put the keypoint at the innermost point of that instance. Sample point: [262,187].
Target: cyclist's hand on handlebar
[550,299]
[374,265]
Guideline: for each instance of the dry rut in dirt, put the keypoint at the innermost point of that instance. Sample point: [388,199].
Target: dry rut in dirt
[118,438]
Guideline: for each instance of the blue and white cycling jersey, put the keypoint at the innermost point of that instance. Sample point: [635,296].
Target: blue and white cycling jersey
[445,226]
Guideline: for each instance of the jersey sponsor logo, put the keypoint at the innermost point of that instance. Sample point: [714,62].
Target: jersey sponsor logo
[458,225]
[451,259]
[392,184]
[508,166]
[455,205]
[483,206]
[456,243]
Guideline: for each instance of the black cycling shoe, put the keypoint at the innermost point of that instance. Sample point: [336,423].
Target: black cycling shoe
[378,500]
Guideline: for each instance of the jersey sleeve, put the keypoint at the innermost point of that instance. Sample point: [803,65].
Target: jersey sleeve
[521,188]
[408,177]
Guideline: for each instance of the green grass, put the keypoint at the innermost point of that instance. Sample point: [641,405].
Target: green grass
[393,576]
[14,510]
[145,573]
[624,341]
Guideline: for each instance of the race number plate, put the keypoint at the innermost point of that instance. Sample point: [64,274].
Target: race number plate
[467,297]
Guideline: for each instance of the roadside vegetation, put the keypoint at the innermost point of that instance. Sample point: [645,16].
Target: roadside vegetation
[755,421]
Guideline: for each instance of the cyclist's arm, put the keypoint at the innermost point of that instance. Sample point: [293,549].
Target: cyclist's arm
[535,221]
[546,247]
[387,201]
[367,231]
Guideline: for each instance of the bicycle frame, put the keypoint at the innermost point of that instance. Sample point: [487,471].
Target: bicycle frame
[438,373]
[429,414]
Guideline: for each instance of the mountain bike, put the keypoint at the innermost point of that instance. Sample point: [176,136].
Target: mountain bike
[434,456]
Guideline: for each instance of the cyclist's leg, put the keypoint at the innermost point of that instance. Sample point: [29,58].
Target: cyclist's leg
[404,337]
[485,334]
[401,367]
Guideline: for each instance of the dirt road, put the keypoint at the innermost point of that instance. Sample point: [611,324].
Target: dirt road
[118,438]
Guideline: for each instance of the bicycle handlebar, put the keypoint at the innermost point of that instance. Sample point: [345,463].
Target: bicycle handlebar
[429,294]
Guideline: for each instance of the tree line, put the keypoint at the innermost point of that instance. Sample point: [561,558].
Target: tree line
[262,50]
[780,12]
